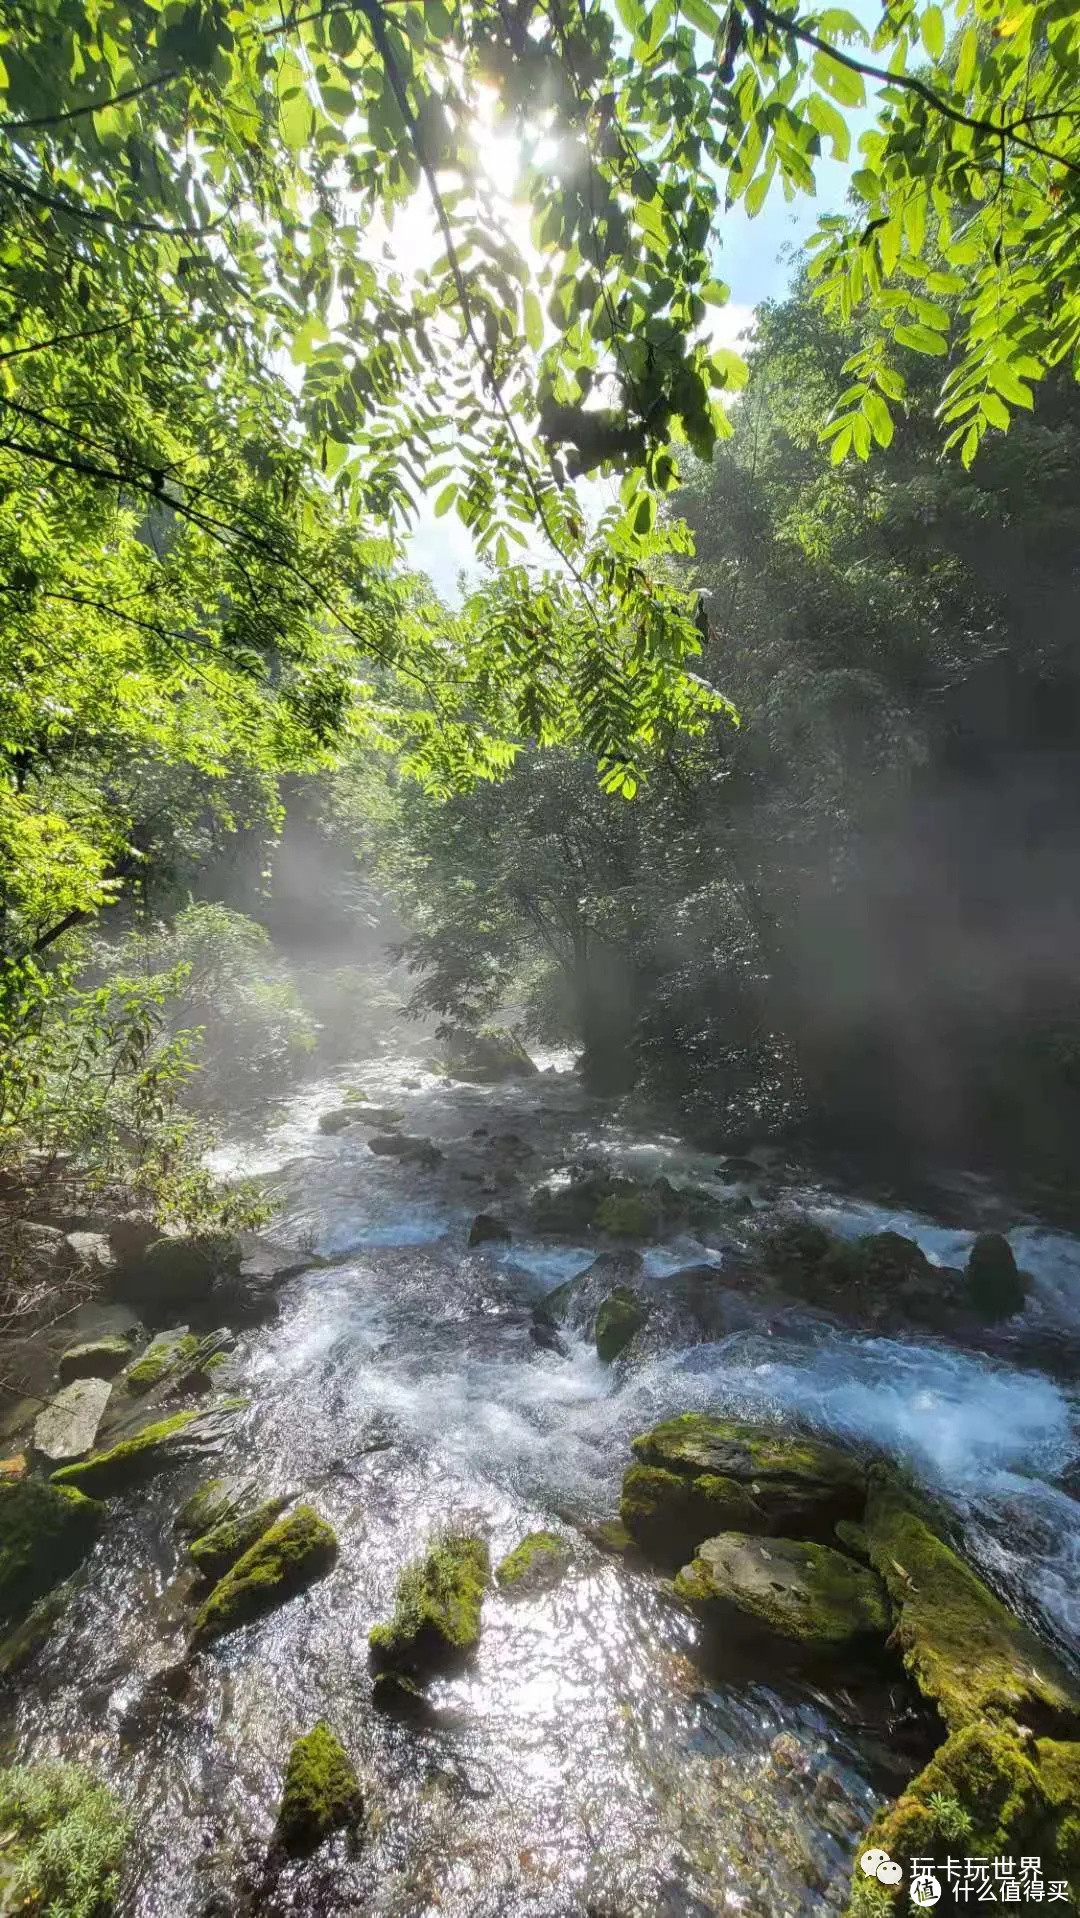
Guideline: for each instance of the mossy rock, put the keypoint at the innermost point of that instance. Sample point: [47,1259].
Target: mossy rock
[609,1535]
[171,1270]
[321,1793]
[46,1530]
[630,1215]
[995,1286]
[487,1229]
[618,1318]
[169,1354]
[987,1792]
[436,1621]
[698,1475]
[668,1514]
[601,1201]
[813,1598]
[95,1359]
[797,1248]
[288,1558]
[216,1551]
[534,1565]
[158,1447]
[964,1649]
[177,1361]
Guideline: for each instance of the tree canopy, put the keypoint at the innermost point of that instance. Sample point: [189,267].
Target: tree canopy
[225,392]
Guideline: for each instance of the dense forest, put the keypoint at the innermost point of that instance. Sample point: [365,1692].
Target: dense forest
[627,1006]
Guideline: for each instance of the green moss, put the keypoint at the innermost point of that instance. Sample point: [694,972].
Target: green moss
[630,1215]
[96,1359]
[285,1560]
[140,1456]
[618,1318]
[65,1843]
[1013,1797]
[218,1549]
[995,1285]
[668,1514]
[436,1622]
[321,1793]
[699,1475]
[961,1645]
[164,1355]
[539,1561]
[610,1535]
[807,1594]
[46,1530]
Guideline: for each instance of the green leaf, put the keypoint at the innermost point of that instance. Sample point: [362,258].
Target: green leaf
[830,122]
[932,31]
[838,80]
[701,15]
[445,500]
[921,339]
[533,316]
[631,13]
[880,418]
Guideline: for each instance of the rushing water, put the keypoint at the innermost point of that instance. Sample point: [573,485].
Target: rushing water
[589,1763]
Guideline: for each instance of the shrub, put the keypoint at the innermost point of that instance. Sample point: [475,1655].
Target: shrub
[70,1834]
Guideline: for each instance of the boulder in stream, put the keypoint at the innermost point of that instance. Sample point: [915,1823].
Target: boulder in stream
[321,1793]
[815,1599]
[619,1317]
[177,1269]
[213,1502]
[288,1558]
[217,1550]
[95,1359]
[404,1146]
[46,1530]
[436,1621]
[995,1285]
[488,1057]
[68,1426]
[486,1229]
[991,1791]
[963,1648]
[534,1565]
[698,1475]
[155,1448]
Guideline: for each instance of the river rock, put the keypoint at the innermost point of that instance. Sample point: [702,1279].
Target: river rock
[213,1502]
[619,1316]
[815,1598]
[403,1146]
[534,1565]
[594,1199]
[1001,1793]
[92,1251]
[486,1229]
[32,1254]
[46,1530]
[436,1621]
[321,1793]
[288,1558]
[964,1650]
[488,1057]
[155,1448]
[95,1359]
[216,1551]
[995,1285]
[698,1475]
[175,1270]
[68,1426]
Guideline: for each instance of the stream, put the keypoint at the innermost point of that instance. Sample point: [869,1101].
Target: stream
[587,1763]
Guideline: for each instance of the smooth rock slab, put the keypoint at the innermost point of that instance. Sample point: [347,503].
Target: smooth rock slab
[808,1594]
[68,1426]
